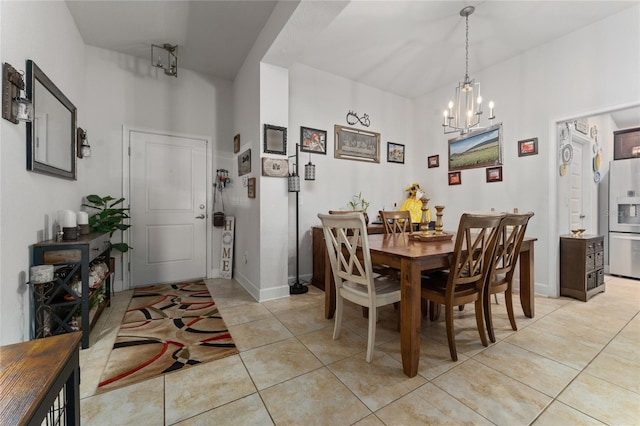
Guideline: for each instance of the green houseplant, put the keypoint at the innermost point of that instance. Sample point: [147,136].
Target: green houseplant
[109,217]
[359,203]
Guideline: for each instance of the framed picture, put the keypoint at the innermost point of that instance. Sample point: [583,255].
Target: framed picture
[528,147]
[356,144]
[480,148]
[275,167]
[395,153]
[433,161]
[275,139]
[455,178]
[494,174]
[313,140]
[236,143]
[244,163]
[251,188]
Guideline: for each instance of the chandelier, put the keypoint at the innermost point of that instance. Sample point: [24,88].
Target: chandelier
[464,114]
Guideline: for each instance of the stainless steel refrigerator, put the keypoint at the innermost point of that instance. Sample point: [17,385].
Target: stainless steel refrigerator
[624,218]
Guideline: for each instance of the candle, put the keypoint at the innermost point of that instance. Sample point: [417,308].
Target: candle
[82,218]
[69,219]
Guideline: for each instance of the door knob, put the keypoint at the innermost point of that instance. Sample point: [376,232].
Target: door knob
[200,216]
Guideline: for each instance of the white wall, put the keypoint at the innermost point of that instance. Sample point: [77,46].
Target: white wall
[320,100]
[592,70]
[122,90]
[33,30]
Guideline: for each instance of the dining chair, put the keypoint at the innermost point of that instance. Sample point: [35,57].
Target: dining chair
[469,265]
[396,222]
[346,239]
[500,278]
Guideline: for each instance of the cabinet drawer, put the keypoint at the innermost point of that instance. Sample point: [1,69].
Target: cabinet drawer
[591,247]
[599,259]
[591,262]
[599,245]
[98,245]
[591,280]
[600,279]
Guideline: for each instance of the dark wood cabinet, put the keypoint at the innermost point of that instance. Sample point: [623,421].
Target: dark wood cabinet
[59,306]
[320,259]
[581,266]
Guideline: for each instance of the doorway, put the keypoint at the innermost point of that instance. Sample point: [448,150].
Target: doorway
[167,184]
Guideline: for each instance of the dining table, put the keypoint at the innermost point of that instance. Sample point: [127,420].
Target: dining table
[412,258]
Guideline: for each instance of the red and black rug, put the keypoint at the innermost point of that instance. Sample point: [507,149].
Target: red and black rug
[166,328]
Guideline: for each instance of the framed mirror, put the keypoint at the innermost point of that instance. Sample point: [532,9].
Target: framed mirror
[51,137]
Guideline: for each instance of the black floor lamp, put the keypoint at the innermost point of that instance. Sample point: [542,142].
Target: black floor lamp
[294,186]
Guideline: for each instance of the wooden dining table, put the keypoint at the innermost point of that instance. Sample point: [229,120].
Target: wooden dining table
[412,258]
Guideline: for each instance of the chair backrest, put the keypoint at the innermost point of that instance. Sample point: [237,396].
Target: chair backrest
[474,249]
[510,239]
[343,234]
[396,222]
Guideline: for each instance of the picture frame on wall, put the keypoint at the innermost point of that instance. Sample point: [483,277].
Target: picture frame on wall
[395,153]
[433,161]
[275,167]
[275,139]
[356,144]
[480,148]
[313,140]
[244,163]
[455,178]
[494,174]
[528,147]
[236,143]
[251,187]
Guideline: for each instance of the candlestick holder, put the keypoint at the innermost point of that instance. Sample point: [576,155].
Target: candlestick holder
[424,221]
[439,219]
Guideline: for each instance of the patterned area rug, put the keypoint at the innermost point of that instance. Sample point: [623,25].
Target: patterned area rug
[166,328]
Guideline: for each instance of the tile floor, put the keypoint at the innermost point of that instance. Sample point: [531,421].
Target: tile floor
[574,363]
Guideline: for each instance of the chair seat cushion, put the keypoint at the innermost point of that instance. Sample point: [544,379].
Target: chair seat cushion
[383,284]
[437,282]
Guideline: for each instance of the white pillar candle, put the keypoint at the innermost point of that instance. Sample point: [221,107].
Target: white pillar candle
[69,219]
[83,218]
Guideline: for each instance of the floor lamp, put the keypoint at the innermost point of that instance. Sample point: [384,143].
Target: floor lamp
[294,186]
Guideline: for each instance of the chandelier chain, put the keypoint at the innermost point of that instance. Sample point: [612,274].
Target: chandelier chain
[466,69]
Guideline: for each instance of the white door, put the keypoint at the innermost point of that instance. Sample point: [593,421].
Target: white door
[168,208]
[577,196]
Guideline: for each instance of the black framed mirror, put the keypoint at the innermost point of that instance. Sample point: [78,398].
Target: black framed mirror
[51,137]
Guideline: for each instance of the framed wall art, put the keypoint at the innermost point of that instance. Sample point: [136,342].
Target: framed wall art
[356,144]
[275,139]
[528,147]
[455,178]
[275,167]
[244,163]
[480,148]
[251,187]
[494,174]
[236,143]
[433,161]
[313,140]
[395,153]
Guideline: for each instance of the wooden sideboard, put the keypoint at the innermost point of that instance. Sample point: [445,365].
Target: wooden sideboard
[39,380]
[581,266]
[320,259]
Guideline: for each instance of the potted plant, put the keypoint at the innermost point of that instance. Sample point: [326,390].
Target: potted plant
[360,204]
[109,217]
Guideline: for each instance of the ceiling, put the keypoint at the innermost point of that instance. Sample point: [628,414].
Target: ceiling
[409,48]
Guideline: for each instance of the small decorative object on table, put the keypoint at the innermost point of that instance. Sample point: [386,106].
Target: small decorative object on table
[426,215]
[439,219]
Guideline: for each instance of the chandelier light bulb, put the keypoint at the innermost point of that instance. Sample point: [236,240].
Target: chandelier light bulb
[479,100]
[450,105]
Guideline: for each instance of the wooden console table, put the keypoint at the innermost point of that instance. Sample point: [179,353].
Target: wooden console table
[61,302]
[40,379]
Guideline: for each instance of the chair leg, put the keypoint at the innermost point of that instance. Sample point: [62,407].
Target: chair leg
[480,322]
[451,337]
[496,297]
[434,311]
[508,300]
[373,312]
[338,316]
[461,308]
[488,318]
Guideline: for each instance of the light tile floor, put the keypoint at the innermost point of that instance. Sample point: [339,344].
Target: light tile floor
[574,363]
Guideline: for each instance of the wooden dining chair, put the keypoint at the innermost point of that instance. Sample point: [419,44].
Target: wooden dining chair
[396,222]
[500,278]
[354,279]
[469,266]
